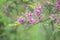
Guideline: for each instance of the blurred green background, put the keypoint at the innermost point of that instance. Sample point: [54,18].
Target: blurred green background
[10,9]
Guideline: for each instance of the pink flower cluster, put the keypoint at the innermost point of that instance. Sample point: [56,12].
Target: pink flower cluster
[37,12]
[29,16]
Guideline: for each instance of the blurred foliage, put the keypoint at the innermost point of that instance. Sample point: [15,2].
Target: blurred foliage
[11,30]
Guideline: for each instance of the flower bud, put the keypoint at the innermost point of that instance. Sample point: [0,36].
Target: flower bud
[52,16]
[46,3]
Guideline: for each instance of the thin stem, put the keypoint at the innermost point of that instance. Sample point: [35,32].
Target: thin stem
[52,23]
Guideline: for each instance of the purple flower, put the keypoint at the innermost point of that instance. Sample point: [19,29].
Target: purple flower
[29,14]
[20,20]
[37,11]
[31,21]
[52,16]
[58,5]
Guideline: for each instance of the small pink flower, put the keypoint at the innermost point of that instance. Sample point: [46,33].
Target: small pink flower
[20,20]
[37,12]
[52,16]
[31,21]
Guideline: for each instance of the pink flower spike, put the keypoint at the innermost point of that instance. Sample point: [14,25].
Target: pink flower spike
[37,11]
[58,6]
